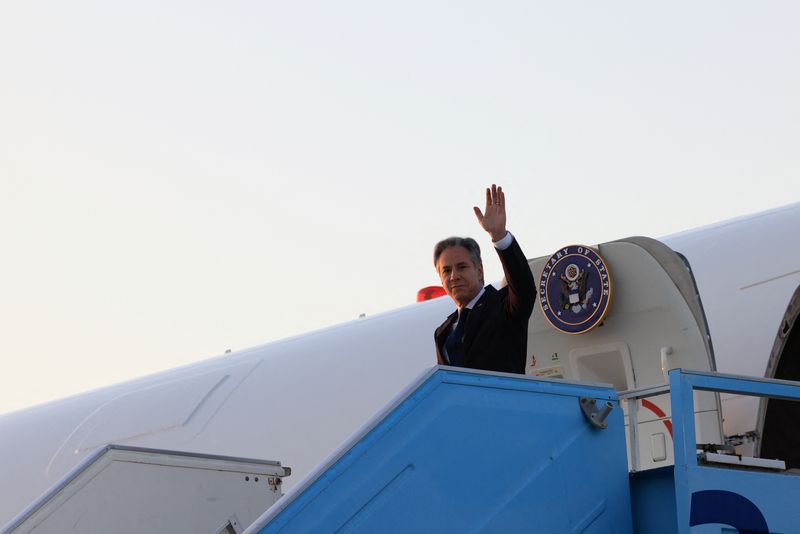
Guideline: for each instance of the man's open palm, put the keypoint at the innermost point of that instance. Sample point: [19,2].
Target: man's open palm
[493,218]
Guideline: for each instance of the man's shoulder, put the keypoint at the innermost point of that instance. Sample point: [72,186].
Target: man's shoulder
[491,294]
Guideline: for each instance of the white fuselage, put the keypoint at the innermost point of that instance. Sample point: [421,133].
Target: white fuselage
[296,400]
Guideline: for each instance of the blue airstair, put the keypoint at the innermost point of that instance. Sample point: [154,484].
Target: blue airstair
[469,451]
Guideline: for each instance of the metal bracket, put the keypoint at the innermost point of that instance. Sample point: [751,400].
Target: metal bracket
[594,413]
[274,482]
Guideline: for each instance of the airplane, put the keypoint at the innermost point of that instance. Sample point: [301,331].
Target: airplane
[720,298]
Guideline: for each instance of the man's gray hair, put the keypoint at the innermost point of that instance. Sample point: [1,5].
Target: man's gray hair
[467,242]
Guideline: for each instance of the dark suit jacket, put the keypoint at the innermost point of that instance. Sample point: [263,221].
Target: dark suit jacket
[496,336]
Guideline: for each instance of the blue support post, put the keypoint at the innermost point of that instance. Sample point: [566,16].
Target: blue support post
[684,439]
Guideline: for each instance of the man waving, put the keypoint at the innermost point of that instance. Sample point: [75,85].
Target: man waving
[489,330]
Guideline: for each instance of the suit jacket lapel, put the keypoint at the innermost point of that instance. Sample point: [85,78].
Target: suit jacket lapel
[443,329]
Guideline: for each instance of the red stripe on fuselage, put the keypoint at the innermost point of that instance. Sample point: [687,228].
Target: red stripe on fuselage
[659,412]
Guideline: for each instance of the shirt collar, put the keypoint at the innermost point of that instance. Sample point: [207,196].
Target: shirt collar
[475,299]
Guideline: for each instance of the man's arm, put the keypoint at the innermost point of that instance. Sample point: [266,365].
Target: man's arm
[521,286]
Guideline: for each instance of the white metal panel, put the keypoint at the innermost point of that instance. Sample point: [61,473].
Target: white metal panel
[137,490]
[746,270]
[177,407]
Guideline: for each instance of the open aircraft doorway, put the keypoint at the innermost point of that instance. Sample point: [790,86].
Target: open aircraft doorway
[777,418]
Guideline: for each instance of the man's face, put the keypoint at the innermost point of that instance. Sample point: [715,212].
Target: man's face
[461,278]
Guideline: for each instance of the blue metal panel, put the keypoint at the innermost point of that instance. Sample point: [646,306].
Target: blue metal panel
[471,451]
[753,501]
[653,501]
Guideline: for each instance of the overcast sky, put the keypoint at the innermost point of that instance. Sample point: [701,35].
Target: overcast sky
[181,178]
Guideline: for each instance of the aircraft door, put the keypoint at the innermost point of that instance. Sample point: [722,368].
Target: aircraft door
[654,322]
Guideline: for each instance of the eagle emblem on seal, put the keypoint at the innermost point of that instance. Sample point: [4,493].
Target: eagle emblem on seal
[575,289]
[574,294]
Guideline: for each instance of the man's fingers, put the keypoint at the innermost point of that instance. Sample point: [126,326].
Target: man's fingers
[495,196]
[478,213]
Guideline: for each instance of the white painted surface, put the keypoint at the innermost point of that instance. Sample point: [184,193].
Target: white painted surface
[178,493]
[296,400]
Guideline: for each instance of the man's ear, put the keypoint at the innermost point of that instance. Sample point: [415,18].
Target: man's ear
[480,273]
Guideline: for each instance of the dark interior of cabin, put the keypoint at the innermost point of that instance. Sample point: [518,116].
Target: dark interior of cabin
[781,435]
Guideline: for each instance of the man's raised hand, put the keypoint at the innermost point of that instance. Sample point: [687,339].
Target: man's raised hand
[493,219]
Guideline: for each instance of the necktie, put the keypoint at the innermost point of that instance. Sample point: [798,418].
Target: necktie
[455,341]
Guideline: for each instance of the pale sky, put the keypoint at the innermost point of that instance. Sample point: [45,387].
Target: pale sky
[182,178]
